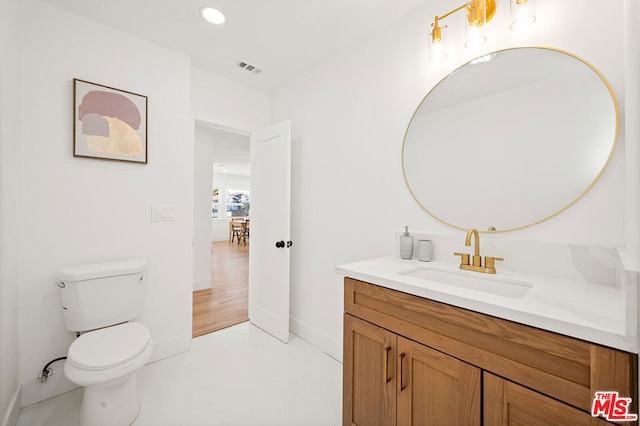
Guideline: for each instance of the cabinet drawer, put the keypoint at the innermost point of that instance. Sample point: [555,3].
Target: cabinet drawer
[565,368]
[509,404]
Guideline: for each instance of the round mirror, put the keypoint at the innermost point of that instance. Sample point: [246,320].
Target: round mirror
[510,139]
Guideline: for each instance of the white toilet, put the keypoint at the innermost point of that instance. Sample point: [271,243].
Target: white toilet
[98,300]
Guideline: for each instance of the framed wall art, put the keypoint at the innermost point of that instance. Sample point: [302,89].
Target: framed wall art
[109,123]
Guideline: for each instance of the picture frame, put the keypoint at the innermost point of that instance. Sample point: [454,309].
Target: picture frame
[109,123]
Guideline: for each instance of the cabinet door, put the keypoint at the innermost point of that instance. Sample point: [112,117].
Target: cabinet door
[507,403]
[435,389]
[369,382]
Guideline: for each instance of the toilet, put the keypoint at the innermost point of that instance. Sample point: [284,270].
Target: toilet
[99,301]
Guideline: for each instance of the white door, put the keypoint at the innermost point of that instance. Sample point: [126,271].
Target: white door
[270,241]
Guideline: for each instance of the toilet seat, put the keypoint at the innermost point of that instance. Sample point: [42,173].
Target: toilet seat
[109,347]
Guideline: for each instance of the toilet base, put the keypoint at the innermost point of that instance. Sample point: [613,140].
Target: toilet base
[111,404]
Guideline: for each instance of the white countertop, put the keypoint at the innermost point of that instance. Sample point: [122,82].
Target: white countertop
[593,312]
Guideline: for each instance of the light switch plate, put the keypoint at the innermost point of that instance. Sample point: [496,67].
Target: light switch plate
[163,213]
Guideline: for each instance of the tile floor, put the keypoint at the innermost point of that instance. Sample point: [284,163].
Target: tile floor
[236,376]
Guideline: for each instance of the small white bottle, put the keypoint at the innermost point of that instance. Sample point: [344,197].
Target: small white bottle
[406,244]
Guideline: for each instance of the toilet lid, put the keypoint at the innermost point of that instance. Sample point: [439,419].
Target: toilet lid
[109,347]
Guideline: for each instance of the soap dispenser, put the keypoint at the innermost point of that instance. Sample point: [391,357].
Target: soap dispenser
[406,244]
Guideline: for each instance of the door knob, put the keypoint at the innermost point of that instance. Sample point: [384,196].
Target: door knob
[280,244]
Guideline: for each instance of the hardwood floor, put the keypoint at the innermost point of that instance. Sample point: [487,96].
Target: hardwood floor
[227,302]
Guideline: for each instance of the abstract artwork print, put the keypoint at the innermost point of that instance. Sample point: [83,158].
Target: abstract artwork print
[109,123]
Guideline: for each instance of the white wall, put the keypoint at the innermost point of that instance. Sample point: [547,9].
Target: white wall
[227,104]
[632,129]
[77,210]
[10,102]
[203,174]
[349,117]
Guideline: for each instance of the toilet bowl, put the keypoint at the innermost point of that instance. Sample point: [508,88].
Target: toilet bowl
[105,362]
[100,302]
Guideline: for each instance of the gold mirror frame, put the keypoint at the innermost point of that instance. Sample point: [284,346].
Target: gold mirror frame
[572,202]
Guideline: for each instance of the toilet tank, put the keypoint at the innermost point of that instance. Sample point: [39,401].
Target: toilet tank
[101,294]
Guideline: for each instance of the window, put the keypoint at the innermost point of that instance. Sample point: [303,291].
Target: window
[238,203]
[215,203]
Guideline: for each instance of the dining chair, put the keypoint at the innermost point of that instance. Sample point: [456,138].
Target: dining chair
[246,228]
[237,231]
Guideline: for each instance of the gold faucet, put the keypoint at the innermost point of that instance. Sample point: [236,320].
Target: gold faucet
[476,262]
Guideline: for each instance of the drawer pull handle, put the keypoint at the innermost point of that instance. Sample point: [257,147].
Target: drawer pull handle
[402,385]
[386,378]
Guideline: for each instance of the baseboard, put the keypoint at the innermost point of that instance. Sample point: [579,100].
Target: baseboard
[202,284]
[326,344]
[627,261]
[171,347]
[13,410]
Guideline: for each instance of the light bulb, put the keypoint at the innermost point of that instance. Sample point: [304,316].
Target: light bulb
[475,37]
[436,52]
[523,14]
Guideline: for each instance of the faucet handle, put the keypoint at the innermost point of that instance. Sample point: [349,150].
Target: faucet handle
[464,258]
[489,262]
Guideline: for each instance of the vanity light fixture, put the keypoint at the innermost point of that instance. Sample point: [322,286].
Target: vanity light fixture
[479,12]
[213,15]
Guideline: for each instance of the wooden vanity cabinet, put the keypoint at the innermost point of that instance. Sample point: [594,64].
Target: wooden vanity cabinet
[414,361]
[391,380]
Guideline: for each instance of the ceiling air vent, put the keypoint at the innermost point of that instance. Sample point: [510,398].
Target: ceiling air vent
[250,68]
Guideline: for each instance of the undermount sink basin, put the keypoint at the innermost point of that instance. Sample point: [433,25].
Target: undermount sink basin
[479,282]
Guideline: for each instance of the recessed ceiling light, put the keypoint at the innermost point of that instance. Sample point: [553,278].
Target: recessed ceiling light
[213,15]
